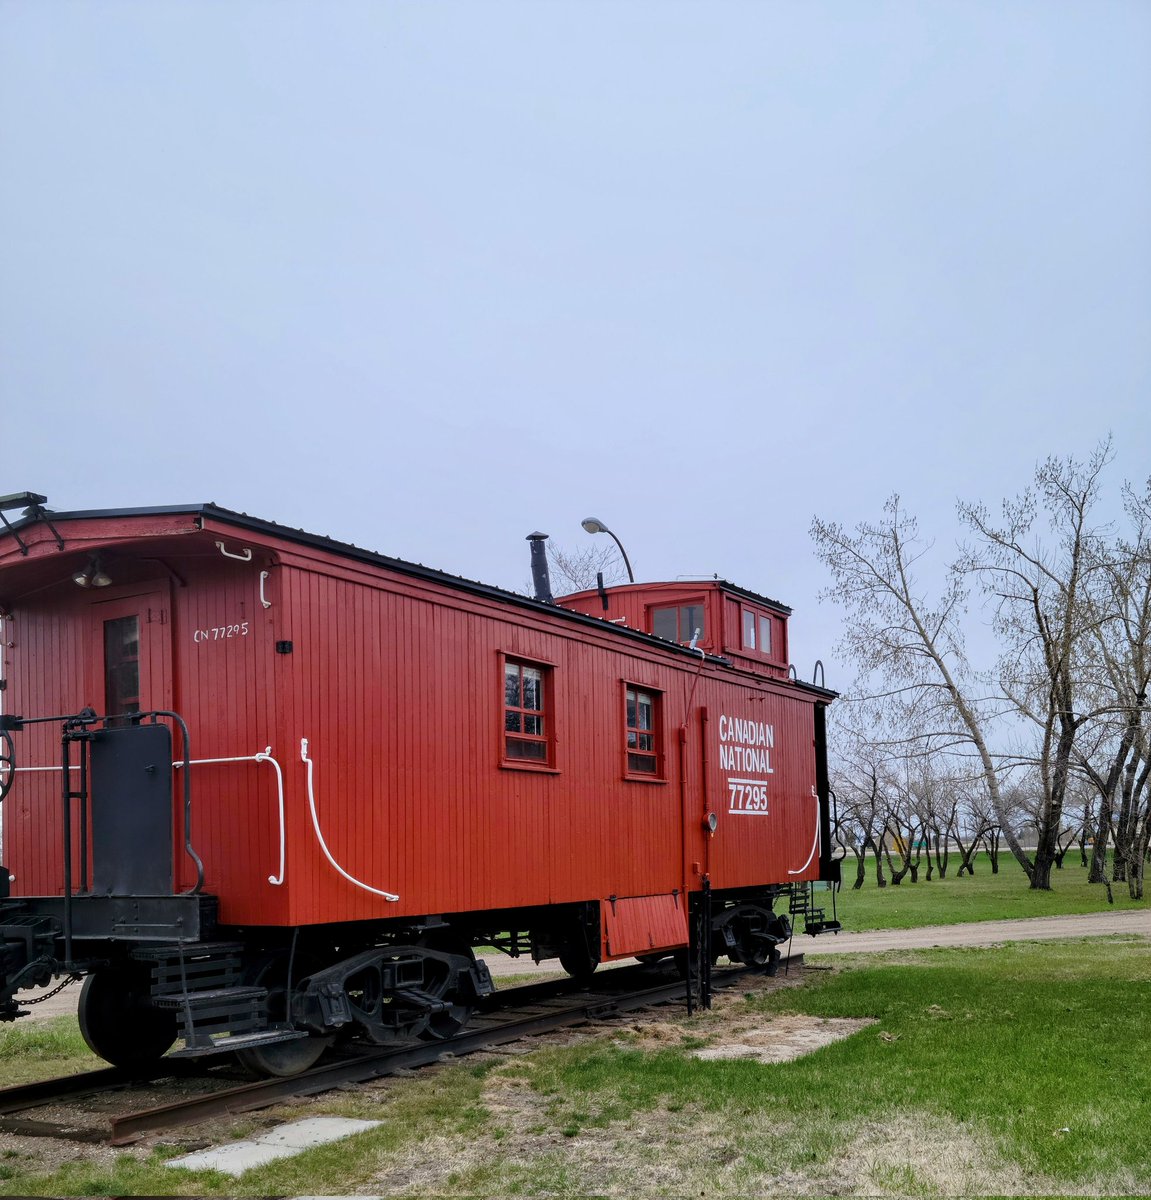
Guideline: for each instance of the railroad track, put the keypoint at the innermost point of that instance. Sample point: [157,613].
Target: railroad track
[511,1015]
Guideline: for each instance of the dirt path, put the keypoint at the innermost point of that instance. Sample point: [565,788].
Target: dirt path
[981,933]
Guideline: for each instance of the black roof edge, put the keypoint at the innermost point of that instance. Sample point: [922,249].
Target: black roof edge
[402,566]
[814,689]
[419,571]
[728,586]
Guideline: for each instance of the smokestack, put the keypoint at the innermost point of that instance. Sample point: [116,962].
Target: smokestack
[540,578]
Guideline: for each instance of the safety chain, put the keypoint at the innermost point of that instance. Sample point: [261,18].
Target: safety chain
[55,991]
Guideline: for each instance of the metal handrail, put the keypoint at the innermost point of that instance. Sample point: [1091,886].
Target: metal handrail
[264,756]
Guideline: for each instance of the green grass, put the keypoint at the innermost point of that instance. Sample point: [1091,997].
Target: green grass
[1024,1066]
[1038,1051]
[982,897]
[441,1102]
[35,1050]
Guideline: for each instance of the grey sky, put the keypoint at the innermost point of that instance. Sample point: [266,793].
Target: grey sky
[428,276]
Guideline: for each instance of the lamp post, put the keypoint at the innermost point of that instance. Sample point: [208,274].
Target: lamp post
[594,525]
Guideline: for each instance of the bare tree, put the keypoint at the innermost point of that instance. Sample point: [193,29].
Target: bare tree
[902,840]
[974,824]
[908,647]
[578,568]
[1039,587]
[859,821]
[856,775]
[1119,655]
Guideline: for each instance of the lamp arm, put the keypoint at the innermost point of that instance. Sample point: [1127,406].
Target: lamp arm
[626,560]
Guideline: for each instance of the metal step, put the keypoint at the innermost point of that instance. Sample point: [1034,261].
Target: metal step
[210,998]
[195,968]
[237,1041]
[211,1015]
[189,950]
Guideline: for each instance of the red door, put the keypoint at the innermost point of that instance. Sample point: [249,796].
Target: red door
[130,668]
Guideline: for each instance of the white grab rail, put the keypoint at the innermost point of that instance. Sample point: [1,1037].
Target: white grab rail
[815,844]
[320,837]
[264,756]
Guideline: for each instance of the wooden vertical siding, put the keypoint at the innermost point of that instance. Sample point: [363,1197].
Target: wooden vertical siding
[407,738]
[395,681]
[46,656]
[226,691]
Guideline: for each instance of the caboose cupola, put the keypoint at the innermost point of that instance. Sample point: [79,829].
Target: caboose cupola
[712,615]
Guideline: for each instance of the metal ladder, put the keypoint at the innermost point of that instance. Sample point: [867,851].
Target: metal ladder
[202,984]
[802,903]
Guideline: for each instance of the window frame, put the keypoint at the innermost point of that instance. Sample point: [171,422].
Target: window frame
[659,775]
[767,621]
[548,764]
[678,606]
[762,618]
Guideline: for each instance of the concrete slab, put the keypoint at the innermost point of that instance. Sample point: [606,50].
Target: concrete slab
[282,1142]
[234,1159]
[314,1131]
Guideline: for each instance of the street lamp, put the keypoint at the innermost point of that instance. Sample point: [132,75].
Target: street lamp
[594,525]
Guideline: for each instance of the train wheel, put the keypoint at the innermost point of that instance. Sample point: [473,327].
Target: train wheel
[749,923]
[281,1058]
[117,1019]
[576,959]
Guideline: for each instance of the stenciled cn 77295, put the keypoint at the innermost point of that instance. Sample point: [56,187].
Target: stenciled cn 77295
[264,790]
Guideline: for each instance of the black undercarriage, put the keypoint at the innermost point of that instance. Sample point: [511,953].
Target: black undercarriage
[279,997]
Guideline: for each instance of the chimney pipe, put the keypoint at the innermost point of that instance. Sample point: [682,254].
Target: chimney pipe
[540,578]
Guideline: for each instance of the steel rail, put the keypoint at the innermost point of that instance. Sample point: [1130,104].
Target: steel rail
[591,1007]
[48,1091]
[31,1095]
[525,1014]
[21,1097]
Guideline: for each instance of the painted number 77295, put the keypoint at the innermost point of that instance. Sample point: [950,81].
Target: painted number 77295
[747,797]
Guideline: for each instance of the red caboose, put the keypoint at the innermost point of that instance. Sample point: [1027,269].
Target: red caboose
[270,788]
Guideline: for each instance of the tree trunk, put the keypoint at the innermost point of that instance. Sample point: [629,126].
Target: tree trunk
[860,867]
[991,841]
[880,880]
[942,853]
[1051,811]
[1041,872]
[913,863]
[1135,881]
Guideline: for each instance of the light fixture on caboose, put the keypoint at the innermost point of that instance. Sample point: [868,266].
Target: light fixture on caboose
[93,575]
[595,525]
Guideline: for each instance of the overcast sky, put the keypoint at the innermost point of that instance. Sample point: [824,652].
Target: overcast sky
[427,276]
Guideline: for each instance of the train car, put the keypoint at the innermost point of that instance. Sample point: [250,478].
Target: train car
[264,790]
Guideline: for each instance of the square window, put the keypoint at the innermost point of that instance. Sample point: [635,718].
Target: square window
[527,719]
[642,734]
